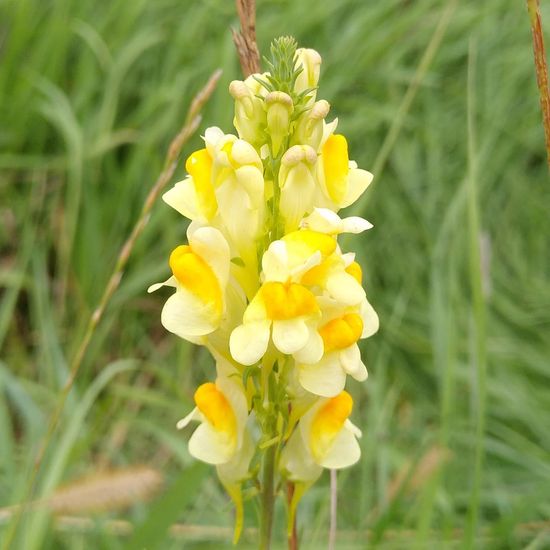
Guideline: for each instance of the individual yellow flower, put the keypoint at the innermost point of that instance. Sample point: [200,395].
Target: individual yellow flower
[341,181]
[200,273]
[324,438]
[222,437]
[283,307]
[340,330]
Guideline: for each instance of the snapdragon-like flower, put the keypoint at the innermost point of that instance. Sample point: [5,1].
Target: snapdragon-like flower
[222,438]
[265,286]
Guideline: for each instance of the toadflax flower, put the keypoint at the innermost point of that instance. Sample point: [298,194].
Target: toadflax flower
[222,438]
[266,287]
[200,272]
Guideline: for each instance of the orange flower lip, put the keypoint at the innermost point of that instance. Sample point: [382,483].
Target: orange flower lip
[284,301]
[342,332]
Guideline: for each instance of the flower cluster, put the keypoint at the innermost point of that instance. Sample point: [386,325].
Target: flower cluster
[264,285]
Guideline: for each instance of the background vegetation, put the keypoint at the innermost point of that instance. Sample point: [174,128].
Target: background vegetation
[439,100]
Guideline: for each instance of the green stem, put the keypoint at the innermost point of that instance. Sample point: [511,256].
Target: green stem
[268,496]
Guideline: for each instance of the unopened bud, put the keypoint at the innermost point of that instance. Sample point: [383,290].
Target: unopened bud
[249,113]
[309,129]
[310,61]
[279,109]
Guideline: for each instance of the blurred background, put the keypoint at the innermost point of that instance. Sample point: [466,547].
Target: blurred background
[439,100]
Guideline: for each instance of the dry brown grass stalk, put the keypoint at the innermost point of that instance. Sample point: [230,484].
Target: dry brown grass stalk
[541,69]
[245,40]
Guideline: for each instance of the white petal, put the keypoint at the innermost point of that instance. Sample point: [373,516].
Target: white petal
[313,350]
[350,359]
[186,315]
[290,336]
[195,414]
[355,224]
[210,446]
[183,198]
[345,289]
[370,319]
[344,452]
[358,181]
[248,342]
[325,378]
[171,281]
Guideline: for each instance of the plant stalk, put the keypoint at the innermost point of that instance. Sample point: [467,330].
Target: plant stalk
[268,496]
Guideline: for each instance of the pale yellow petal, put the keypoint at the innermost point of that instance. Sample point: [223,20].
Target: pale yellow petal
[248,342]
[290,335]
[183,198]
[325,378]
[171,282]
[350,359]
[195,414]
[210,446]
[370,319]
[296,461]
[186,315]
[358,181]
[313,350]
[345,289]
[345,451]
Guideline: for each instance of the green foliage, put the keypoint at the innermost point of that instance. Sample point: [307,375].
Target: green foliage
[90,96]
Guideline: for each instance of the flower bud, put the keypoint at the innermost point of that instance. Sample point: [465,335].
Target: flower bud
[279,108]
[309,130]
[310,60]
[249,112]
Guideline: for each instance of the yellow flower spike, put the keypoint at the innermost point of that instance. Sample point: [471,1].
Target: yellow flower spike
[213,404]
[341,333]
[336,167]
[327,423]
[196,275]
[354,269]
[287,301]
[199,167]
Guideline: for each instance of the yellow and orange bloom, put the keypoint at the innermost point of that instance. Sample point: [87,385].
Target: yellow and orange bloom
[324,438]
[200,273]
[263,281]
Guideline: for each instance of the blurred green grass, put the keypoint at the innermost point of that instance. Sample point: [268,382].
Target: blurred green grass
[90,96]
